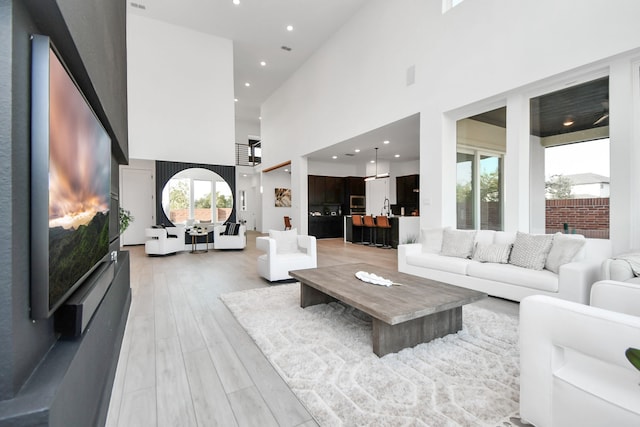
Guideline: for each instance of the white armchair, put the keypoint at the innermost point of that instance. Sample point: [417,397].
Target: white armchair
[619,270]
[163,241]
[229,241]
[573,367]
[285,251]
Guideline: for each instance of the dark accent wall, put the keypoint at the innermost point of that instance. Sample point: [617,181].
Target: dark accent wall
[90,36]
[165,170]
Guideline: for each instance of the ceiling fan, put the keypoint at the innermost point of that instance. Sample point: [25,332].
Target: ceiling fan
[605,113]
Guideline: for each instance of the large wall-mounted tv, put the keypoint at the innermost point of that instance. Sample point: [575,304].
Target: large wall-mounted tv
[70,183]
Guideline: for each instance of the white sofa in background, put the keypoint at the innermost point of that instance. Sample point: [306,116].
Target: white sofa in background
[573,370]
[285,251]
[229,241]
[163,241]
[572,282]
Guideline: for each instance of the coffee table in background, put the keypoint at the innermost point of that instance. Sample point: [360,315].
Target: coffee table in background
[402,316]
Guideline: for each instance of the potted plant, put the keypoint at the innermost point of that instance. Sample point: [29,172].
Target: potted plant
[125,219]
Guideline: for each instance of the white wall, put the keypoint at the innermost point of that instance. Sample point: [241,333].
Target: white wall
[249,182]
[334,169]
[481,55]
[180,94]
[273,217]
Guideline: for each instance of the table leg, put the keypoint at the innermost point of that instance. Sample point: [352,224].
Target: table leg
[312,296]
[393,338]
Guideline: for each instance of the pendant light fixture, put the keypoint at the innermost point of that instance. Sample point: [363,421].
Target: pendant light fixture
[377,175]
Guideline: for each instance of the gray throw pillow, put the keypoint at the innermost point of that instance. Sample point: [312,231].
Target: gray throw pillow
[563,249]
[530,251]
[493,252]
[457,243]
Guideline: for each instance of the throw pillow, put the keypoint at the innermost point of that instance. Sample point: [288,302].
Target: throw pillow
[492,252]
[530,251]
[231,229]
[286,241]
[563,249]
[457,243]
[431,239]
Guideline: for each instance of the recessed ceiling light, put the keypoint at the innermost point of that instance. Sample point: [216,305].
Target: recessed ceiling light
[568,121]
[236,2]
[385,142]
[247,84]
[264,64]
[260,118]
[334,157]
[289,27]
[397,155]
[244,174]
[357,150]
[372,161]
[286,170]
[235,99]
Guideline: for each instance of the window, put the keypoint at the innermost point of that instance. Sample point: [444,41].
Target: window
[479,191]
[481,142]
[571,126]
[197,195]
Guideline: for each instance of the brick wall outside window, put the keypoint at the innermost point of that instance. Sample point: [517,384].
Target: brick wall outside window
[589,217]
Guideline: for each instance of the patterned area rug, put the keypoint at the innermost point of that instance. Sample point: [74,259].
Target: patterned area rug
[324,353]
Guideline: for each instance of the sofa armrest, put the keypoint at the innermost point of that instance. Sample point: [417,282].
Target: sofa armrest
[219,230]
[566,344]
[308,243]
[408,249]
[155,233]
[575,280]
[616,296]
[266,244]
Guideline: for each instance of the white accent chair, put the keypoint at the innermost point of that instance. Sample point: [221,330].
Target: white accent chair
[618,270]
[572,358]
[282,256]
[223,241]
[162,242]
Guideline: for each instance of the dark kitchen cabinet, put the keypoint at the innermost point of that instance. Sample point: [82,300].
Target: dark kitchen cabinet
[408,190]
[316,189]
[333,191]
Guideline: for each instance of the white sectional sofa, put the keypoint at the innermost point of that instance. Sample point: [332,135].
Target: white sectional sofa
[572,281]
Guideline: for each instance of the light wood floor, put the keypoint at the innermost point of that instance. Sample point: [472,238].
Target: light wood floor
[185,360]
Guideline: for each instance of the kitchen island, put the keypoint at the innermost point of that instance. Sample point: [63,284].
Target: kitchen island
[404,229]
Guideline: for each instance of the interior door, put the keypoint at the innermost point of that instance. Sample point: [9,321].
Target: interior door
[137,196]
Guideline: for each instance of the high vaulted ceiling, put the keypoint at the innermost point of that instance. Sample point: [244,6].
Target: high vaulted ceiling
[258,31]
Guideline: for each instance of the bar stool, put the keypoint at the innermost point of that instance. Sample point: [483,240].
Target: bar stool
[287,223]
[356,221]
[382,222]
[368,223]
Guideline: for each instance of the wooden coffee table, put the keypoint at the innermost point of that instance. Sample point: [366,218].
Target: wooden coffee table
[418,311]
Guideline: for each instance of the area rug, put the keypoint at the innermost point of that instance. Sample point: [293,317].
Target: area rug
[324,354]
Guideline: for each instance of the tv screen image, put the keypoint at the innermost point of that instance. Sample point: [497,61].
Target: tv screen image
[71,171]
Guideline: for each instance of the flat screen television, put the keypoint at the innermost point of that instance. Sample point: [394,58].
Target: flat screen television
[70,183]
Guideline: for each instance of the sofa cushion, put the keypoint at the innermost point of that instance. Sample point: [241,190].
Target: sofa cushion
[431,239]
[530,251]
[457,243]
[504,237]
[485,237]
[440,262]
[564,249]
[492,252]
[286,241]
[543,280]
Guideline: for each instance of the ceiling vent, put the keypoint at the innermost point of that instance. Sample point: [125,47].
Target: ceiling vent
[138,6]
[287,48]
[349,154]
